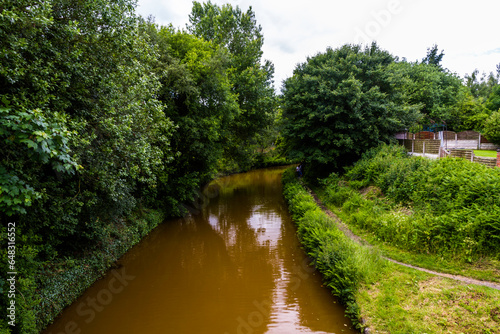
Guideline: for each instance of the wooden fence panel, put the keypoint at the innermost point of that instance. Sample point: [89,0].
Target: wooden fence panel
[468,135]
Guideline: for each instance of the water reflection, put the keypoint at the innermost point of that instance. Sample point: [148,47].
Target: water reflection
[233,267]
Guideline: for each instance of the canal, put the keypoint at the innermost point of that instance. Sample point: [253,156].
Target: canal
[233,266]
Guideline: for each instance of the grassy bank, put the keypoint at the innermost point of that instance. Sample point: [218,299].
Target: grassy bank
[486,153]
[447,208]
[402,207]
[390,298]
[344,264]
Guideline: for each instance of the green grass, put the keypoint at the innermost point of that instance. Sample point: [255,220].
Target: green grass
[482,269]
[485,153]
[409,301]
[398,299]
[447,207]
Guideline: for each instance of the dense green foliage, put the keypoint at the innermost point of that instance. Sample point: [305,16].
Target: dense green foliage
[492,127]
[107,119]
[343,263]
[479,101]
[433,58]
[340,103]
[434,91]
[449,207]
[251,80]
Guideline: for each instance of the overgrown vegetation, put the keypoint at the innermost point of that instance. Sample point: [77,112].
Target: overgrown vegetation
[446,207]
[344,101]
[388,297]
[480,104]
[343,263]
[108,118]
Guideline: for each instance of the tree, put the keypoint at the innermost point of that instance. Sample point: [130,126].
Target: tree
[196,91]
[251,80]
[432,57]
[492,128]
[469,113]
[485,93]
[435,90]
[481,87]
[339,104]
[80,105]
[493,102]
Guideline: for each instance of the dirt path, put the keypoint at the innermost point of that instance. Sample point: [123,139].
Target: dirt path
[344,228]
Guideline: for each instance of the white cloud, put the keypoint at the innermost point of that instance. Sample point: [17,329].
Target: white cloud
[294,30]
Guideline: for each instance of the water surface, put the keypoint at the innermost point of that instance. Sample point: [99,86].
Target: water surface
[234,265]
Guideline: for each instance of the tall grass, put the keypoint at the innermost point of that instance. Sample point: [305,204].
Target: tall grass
[343,263]
[449,207]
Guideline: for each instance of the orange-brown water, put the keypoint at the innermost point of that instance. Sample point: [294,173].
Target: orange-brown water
[234,266]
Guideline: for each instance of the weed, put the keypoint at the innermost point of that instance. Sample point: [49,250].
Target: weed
[343,263]
[454,203]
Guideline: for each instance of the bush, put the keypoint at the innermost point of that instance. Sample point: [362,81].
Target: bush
[449,206]
[343,263]
[492,127]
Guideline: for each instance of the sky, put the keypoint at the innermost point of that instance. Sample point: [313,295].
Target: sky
[466,31]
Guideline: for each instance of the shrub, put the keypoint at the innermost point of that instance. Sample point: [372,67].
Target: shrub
[492,127]
[454,203]
[343,263]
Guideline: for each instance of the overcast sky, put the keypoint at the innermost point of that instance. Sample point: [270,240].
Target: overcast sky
[467,31]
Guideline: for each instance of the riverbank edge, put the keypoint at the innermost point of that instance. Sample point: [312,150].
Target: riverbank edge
[66,286]
[343,263]
[62,289]
[403,299]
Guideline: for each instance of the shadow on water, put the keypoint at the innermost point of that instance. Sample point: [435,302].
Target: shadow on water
[233,266]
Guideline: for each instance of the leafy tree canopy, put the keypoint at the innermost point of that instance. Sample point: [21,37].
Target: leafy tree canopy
[469,113]
[251,79]
[433,57]
[197,95]
[492,127]
[436,91]
[340,103]
[89,73]
[481,86]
